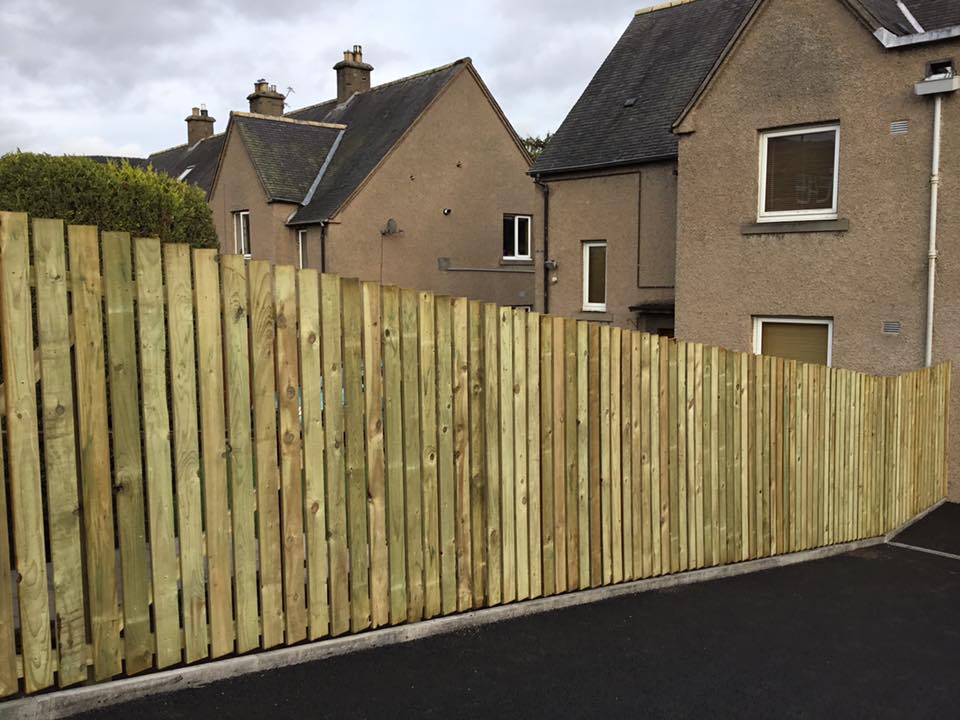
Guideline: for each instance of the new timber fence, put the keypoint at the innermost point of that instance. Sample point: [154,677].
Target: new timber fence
[206,456]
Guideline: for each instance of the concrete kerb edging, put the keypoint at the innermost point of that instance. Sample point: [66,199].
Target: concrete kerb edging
[63,703]
[912,521]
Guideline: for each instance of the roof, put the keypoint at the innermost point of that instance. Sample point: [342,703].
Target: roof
[119,160]
[626,114]
[287,154]
[930,14]
[375,120]
[201,157]
[317,155]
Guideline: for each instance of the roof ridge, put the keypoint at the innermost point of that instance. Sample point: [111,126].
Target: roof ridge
[184,145]
[283,118]
[662,6]
[390,83]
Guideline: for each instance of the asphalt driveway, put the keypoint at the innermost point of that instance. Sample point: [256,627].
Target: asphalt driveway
[874,633]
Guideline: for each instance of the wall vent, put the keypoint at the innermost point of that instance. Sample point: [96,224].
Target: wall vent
[891,327]
[900,127]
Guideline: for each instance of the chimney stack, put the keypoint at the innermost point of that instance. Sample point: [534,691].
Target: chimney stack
[265,100]
[353,74]
[199,125]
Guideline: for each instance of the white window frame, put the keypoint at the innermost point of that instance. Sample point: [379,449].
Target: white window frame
[587,305]
[238,244]
[301,248]
[516,237]
[758,323]
[798,215]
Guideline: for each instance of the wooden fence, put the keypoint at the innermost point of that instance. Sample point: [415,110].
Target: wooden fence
[206,456]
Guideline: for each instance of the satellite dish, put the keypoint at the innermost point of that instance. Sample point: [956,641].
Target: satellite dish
[391,228]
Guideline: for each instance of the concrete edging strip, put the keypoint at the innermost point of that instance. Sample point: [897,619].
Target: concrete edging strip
[929,551]
[63,703]
[912,521]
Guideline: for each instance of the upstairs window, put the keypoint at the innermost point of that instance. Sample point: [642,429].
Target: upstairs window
[516,237]
[302,248]
[799,170]
[241,232]
[595,276]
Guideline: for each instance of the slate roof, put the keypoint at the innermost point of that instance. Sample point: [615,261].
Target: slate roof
[626,114]
[375,121]
[931,14]
[203,157]
[289,156]
[286,155]
[119,159]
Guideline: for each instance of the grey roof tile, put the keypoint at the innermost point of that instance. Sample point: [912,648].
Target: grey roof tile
[202,157]
[286,155]
[626,114]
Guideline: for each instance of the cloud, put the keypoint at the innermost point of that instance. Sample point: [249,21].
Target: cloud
[109,76]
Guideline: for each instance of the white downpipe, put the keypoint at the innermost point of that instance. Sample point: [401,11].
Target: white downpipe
[932,248]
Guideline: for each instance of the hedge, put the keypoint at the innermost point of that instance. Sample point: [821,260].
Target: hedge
[113,195]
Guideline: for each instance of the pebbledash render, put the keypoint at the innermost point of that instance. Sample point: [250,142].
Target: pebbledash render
[799,190]
[420,182]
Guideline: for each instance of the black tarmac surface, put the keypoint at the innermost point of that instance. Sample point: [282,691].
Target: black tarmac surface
[874,633]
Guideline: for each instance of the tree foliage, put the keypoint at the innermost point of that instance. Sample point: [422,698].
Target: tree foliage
[535,144]
[113,195]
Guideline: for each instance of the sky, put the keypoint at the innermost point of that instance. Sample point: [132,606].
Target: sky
[118,77]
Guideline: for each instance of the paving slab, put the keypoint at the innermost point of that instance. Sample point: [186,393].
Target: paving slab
[873,633]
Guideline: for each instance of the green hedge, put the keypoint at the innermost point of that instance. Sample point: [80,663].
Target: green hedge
[114,196]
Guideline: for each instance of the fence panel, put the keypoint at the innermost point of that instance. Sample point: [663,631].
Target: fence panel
[279,455]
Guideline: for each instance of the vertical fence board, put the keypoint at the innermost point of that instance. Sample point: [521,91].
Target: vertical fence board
[571,450]
[236,332]
[626,456]
[606,494]
[26,494]
[520,468]
[428,445]
[183,387]
[639,519]
[615,476]
[646,458]
[595,458]
[393,425]
[562,454]
[413,492]
[290,444]
[60,464]
[508,494]
[331,314]
[127,460]
[461,442]
[583,454]
[213,451]
[478,545]
[262,336]
[673,449]
[447,464]
[679,408]
[491,416]
[157,454]
[9,684]
[548,474]
[376,469]
[534,510]
[355,456]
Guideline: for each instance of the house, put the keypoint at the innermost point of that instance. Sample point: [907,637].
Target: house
[419,182]
[610,172]
[789,147]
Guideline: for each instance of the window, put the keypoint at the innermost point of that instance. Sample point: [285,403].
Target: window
[808,340]
[595,276]
[302,248]
[516,237]
[241,232]
[799,171]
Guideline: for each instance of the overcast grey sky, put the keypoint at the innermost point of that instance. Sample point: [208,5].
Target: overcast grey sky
[115,77]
